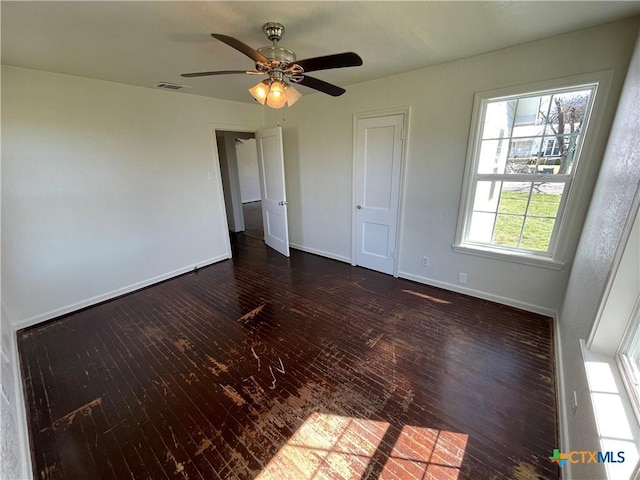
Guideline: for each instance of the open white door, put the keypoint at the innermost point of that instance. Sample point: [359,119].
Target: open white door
[378,161]
[272,189]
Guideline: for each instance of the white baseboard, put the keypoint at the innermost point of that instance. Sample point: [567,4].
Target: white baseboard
[21,421]
[322,253]
[43,317]
[479,294]
[16,403]
[561,399]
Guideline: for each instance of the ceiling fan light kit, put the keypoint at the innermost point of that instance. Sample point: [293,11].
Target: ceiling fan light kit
[275,93]
[281,67]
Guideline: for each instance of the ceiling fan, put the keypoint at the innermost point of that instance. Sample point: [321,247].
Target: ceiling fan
[280,66]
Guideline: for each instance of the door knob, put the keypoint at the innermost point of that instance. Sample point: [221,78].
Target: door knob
[359,207]
[283,202]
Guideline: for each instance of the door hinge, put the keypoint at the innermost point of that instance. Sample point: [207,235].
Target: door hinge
[402,134]
[393,254]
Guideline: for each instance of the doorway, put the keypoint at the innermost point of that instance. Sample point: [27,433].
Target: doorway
[268,152]
[240,181]
[378,154]
[249,177]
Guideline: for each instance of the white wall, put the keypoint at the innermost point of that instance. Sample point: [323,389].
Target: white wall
[247,154]
[619,300]
[610,215]
[105,187]
[318,159]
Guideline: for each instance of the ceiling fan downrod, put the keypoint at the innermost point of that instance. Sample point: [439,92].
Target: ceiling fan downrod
[279,56]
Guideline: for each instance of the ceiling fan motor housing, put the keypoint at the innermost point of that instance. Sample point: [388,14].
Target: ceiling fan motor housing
[278,54]
[273,31]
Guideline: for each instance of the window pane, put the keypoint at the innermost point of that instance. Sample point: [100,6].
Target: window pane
[487,196]
[630,357]
[498,119]
[543,111]
[524,155]
[537,233]
[567,157]
[507,231]
[545,199]
[567,112]
[527,111]
[481,227]
[632,353]
[565,121]
[550,154]
[493,156]
[531,130]
[514,197]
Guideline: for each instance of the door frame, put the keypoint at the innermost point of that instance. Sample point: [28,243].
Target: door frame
[217,172]
[406,110]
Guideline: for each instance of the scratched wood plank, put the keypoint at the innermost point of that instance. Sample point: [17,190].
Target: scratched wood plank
[219,373]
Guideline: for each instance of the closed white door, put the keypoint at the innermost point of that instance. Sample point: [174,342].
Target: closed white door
[378,162]
[272,189]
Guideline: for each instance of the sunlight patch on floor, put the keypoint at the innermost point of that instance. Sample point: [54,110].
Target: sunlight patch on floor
[333,446]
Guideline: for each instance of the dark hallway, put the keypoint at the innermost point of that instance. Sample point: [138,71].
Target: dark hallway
[253,219]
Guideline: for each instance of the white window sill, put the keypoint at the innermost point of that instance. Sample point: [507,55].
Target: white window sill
[616,422]
[516,257]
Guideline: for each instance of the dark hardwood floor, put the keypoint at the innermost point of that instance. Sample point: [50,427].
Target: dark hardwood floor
[252,212]
[274,368]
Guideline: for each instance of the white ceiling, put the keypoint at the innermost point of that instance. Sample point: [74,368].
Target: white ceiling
[145,42]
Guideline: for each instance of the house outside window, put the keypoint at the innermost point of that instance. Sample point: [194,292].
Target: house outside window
[524,154]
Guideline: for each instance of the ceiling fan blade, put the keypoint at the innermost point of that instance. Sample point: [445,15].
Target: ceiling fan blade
[338,60]
[321,86]
[221,72]
[241,47]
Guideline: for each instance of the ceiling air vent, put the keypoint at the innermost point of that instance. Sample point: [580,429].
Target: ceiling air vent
[170,86]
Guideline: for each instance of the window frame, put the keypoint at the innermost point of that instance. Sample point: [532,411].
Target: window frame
[616,321]
[583,165]
[630,375]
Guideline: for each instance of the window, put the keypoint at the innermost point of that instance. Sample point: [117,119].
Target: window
[523,157]
[553,148]
[629,361]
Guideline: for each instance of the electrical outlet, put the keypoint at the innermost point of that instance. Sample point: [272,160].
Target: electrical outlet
[425,261]
[574,402]
[462,278]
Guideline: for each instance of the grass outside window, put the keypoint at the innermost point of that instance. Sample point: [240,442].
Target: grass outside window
[526,221]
